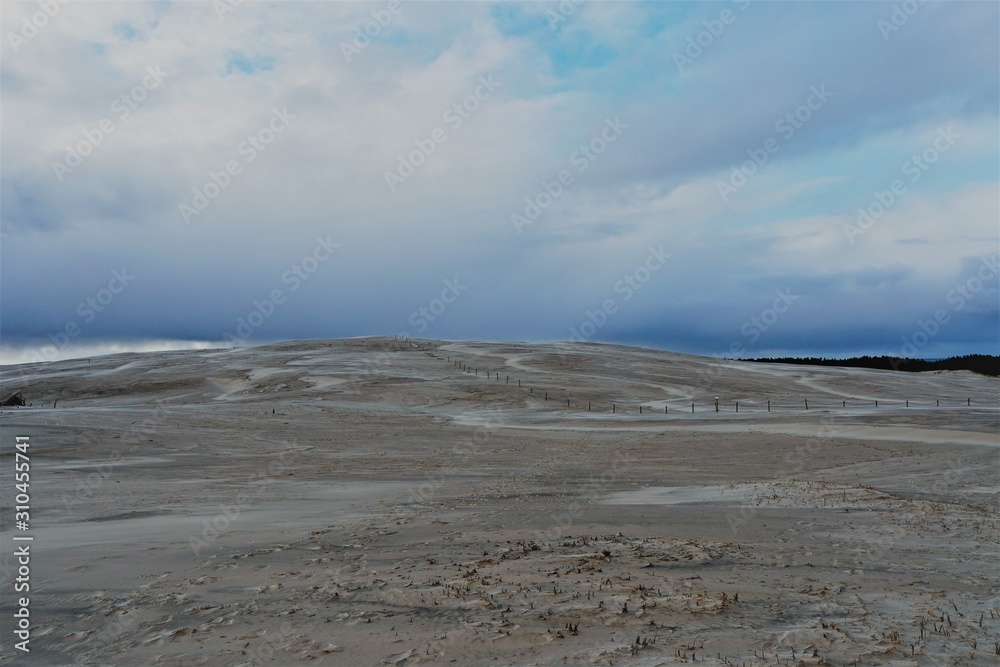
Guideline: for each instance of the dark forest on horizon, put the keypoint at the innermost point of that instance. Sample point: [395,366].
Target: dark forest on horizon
[985,364]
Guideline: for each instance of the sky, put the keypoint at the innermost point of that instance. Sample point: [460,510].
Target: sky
[732,179]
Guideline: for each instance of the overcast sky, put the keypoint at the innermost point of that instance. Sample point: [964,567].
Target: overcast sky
[680,175]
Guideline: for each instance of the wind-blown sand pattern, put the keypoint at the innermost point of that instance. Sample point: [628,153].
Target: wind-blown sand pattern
[367,502]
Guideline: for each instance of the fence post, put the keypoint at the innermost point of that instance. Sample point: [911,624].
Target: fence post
[876,402]
[907,402]
[588,406]
[768,405]
[737,406]
[692,408]
[939,402]
[807,403]
[567,402]
[614,408]
[640,409]
[968,402]
[664,409]
[546,396]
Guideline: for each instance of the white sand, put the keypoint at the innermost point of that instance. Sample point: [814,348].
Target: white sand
[357,503]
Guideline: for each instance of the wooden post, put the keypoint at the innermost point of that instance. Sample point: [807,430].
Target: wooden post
[518,383]
[907,402]
[692,408]
[588,406]
[843,404]
[939,403]
[567,402]
[968,402]
[508,380]
[664,409]
[807,403]
[768,405]
[614,409]
[876,402]
[546,396]
[640,409]
[737,406]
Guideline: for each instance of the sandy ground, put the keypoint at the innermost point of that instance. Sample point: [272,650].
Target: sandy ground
[369,502]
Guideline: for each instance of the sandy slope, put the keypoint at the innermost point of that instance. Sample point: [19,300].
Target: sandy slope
[368,502]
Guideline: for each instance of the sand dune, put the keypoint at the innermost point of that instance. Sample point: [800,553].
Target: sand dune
[368,502]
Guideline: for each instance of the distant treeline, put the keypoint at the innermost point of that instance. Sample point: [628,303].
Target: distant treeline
[985,364]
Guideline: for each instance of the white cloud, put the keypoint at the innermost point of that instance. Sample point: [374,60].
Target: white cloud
[325,172]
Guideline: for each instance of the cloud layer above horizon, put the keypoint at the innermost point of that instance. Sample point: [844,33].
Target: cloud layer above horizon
[737,178]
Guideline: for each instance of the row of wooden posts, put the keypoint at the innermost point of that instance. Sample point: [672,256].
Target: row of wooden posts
[666,409]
